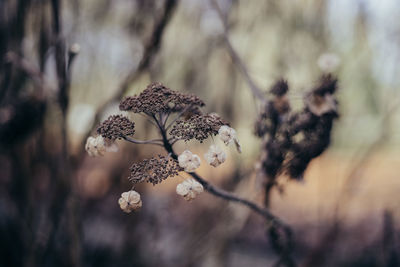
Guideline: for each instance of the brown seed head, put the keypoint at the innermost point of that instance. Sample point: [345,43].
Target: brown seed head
[157,98]
[198,127]
[154,170]
[116,127]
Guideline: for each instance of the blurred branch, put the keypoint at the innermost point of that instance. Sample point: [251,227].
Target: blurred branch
[151,48]
[355,174]
[320,253]
[30,69]
[237,61]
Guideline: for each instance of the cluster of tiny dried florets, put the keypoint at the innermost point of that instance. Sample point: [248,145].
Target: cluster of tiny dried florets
[198,126]
[292,140]
[157,98]
[157,102]
[154,170]
[116,127]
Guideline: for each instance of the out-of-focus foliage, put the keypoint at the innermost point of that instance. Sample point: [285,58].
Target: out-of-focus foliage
[62,210]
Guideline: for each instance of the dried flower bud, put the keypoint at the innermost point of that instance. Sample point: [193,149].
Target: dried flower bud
[189,189]
[189,161]
[130,201]
[215,156]
[116,127]
[227,134]
[328,62]
[97,146]
[198,127]
[327,85]
[280,88]
[157,98]
[320,105]
[154,170]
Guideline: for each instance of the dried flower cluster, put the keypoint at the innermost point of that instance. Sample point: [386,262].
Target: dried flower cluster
[157,98]
[292,140]
[98,146]
[156,102]
[130,201]
[274,111]
[154,170]
[198,127]
[189,189]
[116,127]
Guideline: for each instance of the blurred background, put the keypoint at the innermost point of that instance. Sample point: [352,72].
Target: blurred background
[66,64]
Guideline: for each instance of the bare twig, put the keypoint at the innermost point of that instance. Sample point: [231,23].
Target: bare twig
[178,116]
[238,62]
[151,48]
[30,69]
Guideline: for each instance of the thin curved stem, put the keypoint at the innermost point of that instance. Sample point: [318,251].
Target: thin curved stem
[237,61]
[272,219]
[147,117]
[177,117]
[142,142]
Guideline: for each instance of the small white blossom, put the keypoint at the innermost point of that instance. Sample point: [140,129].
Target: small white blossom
[130,201]
[189,161]
[227,134]
[328,62]
[97,146]
[215,156]
[189,189]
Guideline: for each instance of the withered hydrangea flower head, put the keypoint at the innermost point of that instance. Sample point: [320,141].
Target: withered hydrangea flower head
[293,139]
[154,170]
[198,127]
[157,98]
[273,110]
[116,127]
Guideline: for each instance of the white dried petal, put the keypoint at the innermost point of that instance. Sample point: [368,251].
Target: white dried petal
[215,156]
[226,134]
[182,190]
[189,161]
[189,189]
[130,201]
